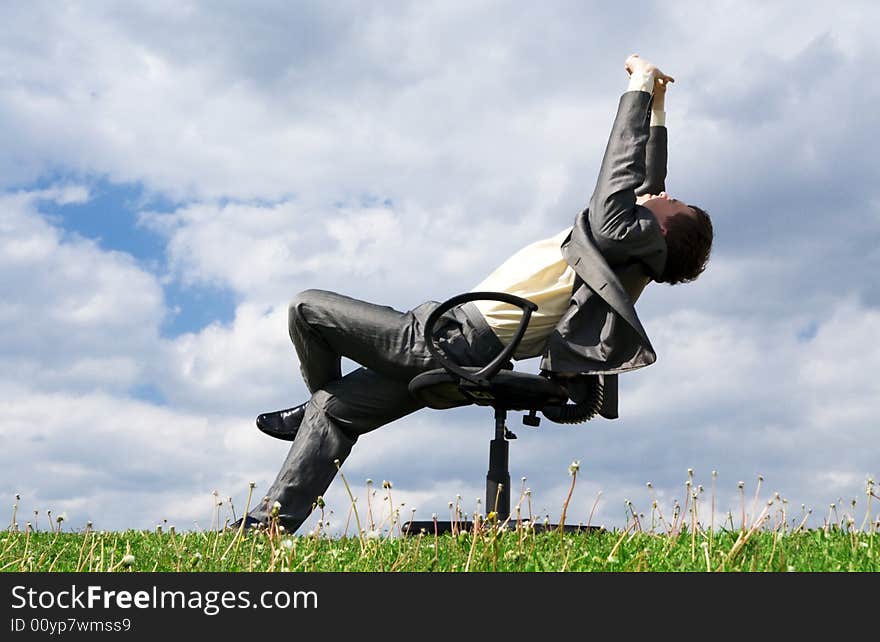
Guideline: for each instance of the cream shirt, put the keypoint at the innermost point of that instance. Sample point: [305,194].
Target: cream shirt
[539,272]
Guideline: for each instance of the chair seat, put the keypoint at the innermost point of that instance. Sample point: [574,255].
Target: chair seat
[439,389]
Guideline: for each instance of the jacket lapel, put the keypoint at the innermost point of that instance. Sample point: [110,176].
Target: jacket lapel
[591,266]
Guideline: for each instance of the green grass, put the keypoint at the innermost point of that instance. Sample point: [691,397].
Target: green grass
[767,541]
[519,550]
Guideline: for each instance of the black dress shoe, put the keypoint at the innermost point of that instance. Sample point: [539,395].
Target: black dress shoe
[282,424]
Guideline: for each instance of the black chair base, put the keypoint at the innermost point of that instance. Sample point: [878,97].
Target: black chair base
[498,386]
[415,527]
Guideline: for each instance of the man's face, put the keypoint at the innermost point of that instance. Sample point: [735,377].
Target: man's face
[664,207]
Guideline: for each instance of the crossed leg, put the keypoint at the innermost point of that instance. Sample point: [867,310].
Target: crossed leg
[336,415]
[324,326]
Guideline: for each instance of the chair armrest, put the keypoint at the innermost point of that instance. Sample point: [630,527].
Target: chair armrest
[482,376]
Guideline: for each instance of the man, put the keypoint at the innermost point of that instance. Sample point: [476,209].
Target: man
[585,281]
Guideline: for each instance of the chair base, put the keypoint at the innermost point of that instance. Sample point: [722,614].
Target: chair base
[413,528]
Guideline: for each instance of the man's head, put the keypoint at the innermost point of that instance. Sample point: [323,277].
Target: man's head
[688,233]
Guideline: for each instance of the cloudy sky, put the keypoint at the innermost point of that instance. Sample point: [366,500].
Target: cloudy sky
[173,173]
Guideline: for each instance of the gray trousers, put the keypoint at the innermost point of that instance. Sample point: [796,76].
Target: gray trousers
[390,346]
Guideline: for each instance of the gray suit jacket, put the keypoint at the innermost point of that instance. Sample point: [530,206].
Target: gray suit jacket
[616,248]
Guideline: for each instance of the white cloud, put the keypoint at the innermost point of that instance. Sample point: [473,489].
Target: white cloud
[114,461]
[245,365]
[70,309]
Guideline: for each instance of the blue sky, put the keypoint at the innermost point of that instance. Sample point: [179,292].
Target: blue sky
[172,175]
[109,217]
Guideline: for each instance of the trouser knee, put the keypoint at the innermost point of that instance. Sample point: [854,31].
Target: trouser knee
[302,302]
[302,308]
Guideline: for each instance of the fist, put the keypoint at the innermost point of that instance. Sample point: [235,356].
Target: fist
[634,63]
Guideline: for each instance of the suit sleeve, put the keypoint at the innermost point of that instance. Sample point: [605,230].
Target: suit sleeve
[655,163]
[621,229]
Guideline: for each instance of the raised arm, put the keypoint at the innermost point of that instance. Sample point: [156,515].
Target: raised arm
[620,228]
[655,156]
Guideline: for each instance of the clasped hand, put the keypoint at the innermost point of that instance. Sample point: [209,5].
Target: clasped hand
[636,64]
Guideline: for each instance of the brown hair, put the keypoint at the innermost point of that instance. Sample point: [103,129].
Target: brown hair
[688,243]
